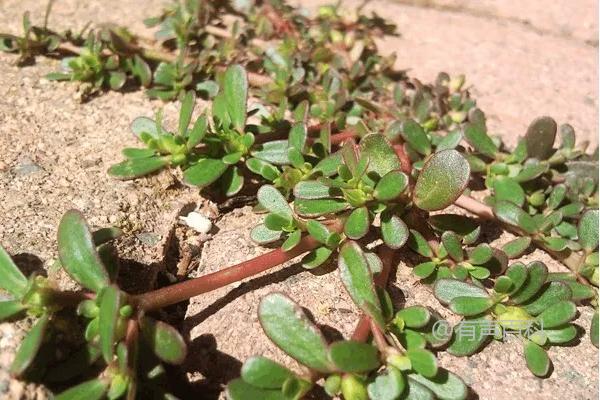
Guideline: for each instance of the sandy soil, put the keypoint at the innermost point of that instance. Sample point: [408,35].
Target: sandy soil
[523,62]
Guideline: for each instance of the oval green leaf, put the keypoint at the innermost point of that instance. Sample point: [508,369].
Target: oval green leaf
[443,179]
[77,252]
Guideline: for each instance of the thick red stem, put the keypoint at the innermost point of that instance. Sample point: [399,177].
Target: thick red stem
[182,291]
[404,159]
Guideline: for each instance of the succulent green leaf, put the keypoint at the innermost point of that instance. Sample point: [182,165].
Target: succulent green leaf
[445,290]
[232,181]
[116,80]
[417,243]
[537,360]
[298,135]
[164,340]
[540,137]
[424,269]
[358,223]
[314,190]
[470,306]
[580,291]
[10,308]
[553,293]
[561,335]
[469,336]
[480,254]
[531,171]
[594,329]
[557,314]
[316,257]
[317,207]
[475,134]
[11,278]
[517,273]
[110,302]
[317,230]
[423,362]
[516,247]
[94,389]
[263,235]
[265,374]
[263,168]
[272,200]
[354,357]
[197,133]
[238,389]
[503,284]
[509,190]
[388,385]
[587,230]
[445,385]
[274,152]
[329,165]
[289,328]
[536,277]
[450,141]
[442,180]
[414,134]
[382,157]
[292,240]
[452,244]
[411,339]
[393,230]
[136,167]
[464,226]
[357,278]
[77,252]
[29,347]
[185,114]
[137,153]
[414,316]
[145,125]
[511,214]
[390,186]
[235,89]
[204,172]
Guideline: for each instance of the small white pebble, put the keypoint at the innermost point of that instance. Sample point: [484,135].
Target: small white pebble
[197,222]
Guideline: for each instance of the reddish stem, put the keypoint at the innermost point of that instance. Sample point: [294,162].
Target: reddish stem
[182,291]
[571,259]
[468,203]
[404,159]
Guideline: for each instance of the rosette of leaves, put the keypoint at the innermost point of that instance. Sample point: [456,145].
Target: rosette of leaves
[415,327]
[93,67]
[206,154]
[35,40]
[171,80]
[551,231]
[353,369]
[281,222]
[108,317]
[448,258]
[181,21]
[526,300]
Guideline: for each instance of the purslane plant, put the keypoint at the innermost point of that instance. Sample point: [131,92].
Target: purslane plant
[332,215]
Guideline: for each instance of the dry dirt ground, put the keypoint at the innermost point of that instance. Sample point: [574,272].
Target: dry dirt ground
[523,59]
